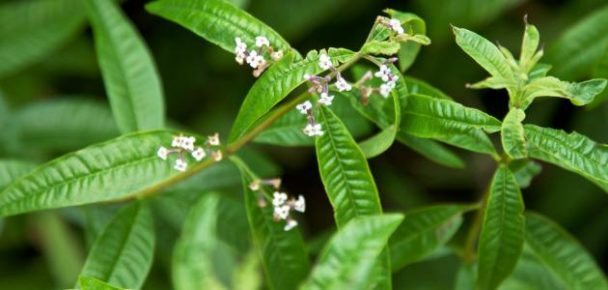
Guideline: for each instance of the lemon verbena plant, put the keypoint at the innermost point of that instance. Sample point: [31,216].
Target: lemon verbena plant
[146,173]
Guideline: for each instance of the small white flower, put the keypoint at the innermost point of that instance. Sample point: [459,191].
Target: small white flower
[188,143]
[279,198]
[281,212]
[313,130]
[217,155]
[384,73]
[180,165]
[291,223]
[261,41]
[385,89]
[241,47]
[199,154]
[342,85]
[255,185]
[325,61]
[177,141]
[304,107]
[300,204]
[326,99]
[395,25]
[277,55]
[307,77]
[162,153]
[214,140]
[255,60]
[240,58]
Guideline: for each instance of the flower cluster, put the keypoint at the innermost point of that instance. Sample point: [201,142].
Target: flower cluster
[257,57]
[282,204]
[183,145]
[388,78]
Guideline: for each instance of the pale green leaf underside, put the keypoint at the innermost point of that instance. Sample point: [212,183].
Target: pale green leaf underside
[194,251]
[31,30]
[217,21]
[122,254]
[579,94]
[572,151]
[449,122]
[502,234]
[11,170]
[283,253]
[512,134]
[348,260]
[483,52]
[106,171]
[424,231]
[563,255]
[130,77]
[44,126]
[524,170]
[275,84]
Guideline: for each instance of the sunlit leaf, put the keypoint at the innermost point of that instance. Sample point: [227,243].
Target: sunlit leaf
[502,234]
[572,151]
[512,134]
[563,255]
[11,170]
[122,254]
[130,77]
[347,262]
[485,53]
[31,30]
[579,94]
[88,283]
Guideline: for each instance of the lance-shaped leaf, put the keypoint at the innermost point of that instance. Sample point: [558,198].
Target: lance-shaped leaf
[11,170]
[563,255]
[122,254]
[414,25]
[573,152]
[581,46]
[128,70]
[31,30]
[283,253]
[502,234]
[198,246]
[449,122]
[530,273]
[424,231]
[88,283]
[43,126]
[431,149]
[276,83]
[512,134]
[579,94]
[218,21]
[420,87]
[115,169]
[347,179]
[287,130]
[524,170]
[529,45]
[485,53]
[348,260]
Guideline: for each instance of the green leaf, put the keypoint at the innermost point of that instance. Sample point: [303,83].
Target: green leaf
[423,232]
[524,171]
[529,45]
[31,30]
[218,21]
[485,53]
[502,234]
[88,283]
[431,149]
[449,122]
[420,87]
[275,84]
[123,254]
[347,179]
[283,253]
[412,24]
[128,70]
[573,152]
[118,168]
[531,274]
[538,71]
[563,255]
[512,134]
[197,246]
[287,130]
[379,143]
[579,94]
[381,47]
[11,170]
[581,46]
[348,261]
[44,126]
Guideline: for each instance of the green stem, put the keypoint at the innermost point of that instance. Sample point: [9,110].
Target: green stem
[473,234]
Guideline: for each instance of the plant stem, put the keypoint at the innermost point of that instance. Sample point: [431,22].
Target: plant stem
[473,234]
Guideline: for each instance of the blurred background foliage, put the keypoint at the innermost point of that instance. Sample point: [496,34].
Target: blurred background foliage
[204,87]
